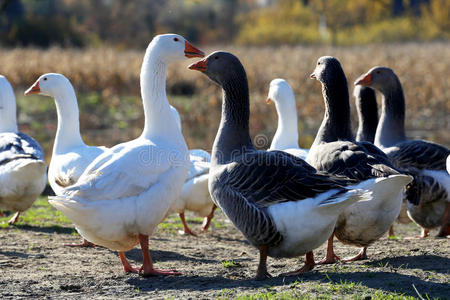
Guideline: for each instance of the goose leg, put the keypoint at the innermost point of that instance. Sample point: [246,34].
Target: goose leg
[308,266]
[262,273]
[445,228]
[84,243]
[14,218]
[126,264]
[207,220]
[391,231]
[187,230]
[331,258]
[361,255]
[147,264]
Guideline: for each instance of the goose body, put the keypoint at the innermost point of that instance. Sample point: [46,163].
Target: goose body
[335,151]
[428,195]
[22,165]
[125,193]
[194,194]
[286,136]
[281,204]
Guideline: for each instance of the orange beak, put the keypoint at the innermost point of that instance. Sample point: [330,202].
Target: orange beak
[268,101]
[34,89]
[364,80]
[200,65]
[312,76]
[191,51]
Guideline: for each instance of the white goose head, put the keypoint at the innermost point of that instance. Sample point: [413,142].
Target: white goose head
[280,92]
[50,84]
[173,47]
[8,121]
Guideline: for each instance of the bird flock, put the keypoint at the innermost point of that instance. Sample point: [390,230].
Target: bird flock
[286,201]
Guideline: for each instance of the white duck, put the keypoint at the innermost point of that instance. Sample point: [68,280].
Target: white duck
[125,193]
[22,166]
[286,136]
[71,155]
[195,195]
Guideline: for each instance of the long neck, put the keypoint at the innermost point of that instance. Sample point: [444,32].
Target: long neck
[367,118]
[286,136]
[336,124]
[391,128]
[233,137]
[68,131]
[8,120]
[159,120]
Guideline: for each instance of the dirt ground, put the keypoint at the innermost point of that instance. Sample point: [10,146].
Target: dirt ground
[34,263]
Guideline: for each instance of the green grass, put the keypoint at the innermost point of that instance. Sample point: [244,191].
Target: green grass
[230,264]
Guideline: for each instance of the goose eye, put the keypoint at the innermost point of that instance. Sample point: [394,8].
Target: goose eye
[176,39]
[378,72]
[216,57]
[318,63]
[45,78]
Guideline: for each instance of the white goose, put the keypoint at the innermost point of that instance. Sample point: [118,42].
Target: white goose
[286,136]
[195,195]
[22,166]
[71,155]
[125,193]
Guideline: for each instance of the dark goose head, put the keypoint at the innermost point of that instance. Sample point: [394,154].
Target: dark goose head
[391,127]
[233,136]
[336,125]
[366,105]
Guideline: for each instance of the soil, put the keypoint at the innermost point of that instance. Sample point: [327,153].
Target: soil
[35,263]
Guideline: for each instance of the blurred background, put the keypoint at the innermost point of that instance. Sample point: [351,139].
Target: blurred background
[99,46]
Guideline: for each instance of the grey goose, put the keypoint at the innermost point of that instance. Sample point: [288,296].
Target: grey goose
[281,204]
[334,150]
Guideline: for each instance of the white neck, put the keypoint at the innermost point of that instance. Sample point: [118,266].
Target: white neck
[8,121]
[68,131]
[286,136]
[159,119]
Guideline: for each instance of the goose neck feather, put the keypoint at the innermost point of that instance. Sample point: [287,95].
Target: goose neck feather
[366,106]
[233,137]
[286,136]
[336,124]
[68,131]
[391,128]
[153,90]
[8,120]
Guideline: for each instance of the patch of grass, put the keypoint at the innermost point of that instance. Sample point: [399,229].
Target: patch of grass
[230,264]
[41,214]
[395,237]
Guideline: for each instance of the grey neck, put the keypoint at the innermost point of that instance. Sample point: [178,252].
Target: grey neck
[391,128]
[233,137]
[367,109]
[336,124]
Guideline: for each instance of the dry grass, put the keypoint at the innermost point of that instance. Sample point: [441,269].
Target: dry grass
[422,68]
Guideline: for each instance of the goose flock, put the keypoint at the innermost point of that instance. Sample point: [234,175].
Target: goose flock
[286,201]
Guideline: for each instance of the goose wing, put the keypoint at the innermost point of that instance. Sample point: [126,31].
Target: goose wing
[19,145]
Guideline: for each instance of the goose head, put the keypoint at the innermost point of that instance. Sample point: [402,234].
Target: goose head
[173,47]
[221,67]
[8,121]
[50,84]
[379,78]
[328,70]
[280,92]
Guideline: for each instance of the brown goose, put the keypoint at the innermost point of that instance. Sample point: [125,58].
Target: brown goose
[335,151]
[429,194]
[282,205]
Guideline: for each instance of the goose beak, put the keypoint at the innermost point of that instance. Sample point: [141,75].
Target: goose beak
[191,51]
[312,76]
[268,101]
[365,79]
[199,66]
[34,89]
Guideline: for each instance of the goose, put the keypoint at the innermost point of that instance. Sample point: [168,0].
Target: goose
[428,196]
[22,165]
[448,164]
[71,155]
[126,192]
[194,194]
[334,150]
[282,205]
[286,136]
[367,109]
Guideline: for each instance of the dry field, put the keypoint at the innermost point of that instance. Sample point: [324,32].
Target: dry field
[107,82]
